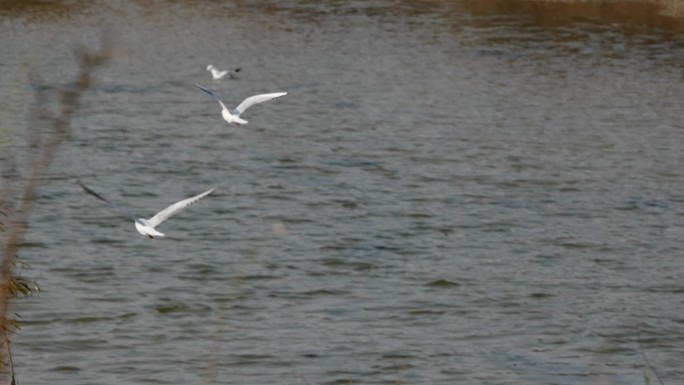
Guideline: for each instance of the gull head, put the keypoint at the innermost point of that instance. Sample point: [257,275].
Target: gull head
[210,67]
[145,229]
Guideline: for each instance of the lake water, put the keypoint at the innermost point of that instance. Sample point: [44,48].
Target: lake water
[452,193]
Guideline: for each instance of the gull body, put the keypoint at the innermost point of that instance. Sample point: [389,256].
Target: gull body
[233,116]
[218,74]
[148,226]
[145,228]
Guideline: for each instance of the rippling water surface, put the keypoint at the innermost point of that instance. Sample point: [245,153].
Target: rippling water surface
[449,194]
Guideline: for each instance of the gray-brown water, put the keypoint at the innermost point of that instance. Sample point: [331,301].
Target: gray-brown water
[449,194]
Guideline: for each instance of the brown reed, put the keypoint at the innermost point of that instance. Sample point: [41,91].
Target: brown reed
[18,222]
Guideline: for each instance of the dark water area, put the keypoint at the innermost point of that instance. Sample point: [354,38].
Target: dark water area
[631,17]
[451,193]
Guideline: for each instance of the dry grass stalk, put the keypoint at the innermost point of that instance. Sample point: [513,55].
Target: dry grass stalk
[19,219]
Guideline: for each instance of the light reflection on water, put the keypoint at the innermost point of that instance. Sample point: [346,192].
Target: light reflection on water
[449,194]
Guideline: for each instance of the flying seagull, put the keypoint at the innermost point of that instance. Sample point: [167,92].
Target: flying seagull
[234,115]
[217,74]
[147,226]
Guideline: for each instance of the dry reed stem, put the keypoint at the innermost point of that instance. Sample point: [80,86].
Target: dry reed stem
[19,220]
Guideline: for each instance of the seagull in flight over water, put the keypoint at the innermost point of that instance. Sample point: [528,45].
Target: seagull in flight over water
[217,74]
[234,115]
[147,226]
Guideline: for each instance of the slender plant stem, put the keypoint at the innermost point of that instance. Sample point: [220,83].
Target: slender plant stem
[70,101]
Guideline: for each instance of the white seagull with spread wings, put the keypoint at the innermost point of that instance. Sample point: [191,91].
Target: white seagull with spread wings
[234,115]
[147,226]
[217,74]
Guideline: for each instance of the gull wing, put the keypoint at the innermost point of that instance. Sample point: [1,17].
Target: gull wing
[256,99]
[116,207]
[212,95]
[175,208]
